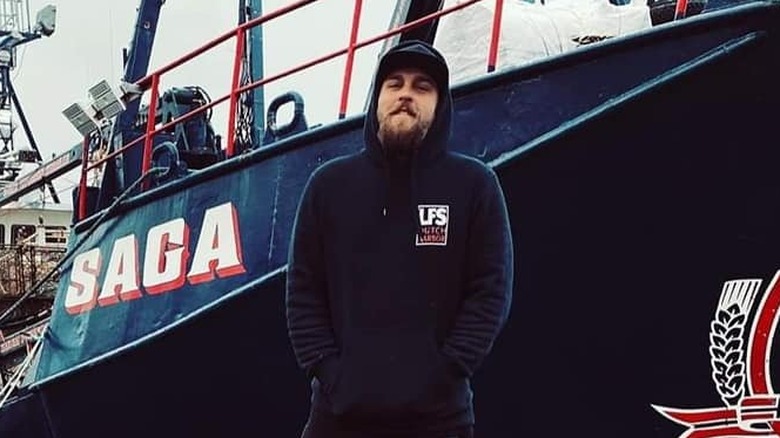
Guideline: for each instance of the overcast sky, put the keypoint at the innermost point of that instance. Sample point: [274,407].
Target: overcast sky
[53,72]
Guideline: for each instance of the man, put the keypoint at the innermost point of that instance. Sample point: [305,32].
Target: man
[400,269]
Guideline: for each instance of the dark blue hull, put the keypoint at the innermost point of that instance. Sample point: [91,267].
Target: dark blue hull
[640,176]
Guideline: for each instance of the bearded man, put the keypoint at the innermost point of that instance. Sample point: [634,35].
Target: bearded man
[400,267]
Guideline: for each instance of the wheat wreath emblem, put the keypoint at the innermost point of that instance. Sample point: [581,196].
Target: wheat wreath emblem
[727,338]
[739,361]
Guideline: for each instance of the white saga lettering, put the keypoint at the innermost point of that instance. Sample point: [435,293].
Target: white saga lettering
[166,255]
[217,254]
[82,290]
[121,279]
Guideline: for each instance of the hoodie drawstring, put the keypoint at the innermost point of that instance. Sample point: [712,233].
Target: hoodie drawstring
[387,183]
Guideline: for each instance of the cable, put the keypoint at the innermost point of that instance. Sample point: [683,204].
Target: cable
[19,374]
[151,172]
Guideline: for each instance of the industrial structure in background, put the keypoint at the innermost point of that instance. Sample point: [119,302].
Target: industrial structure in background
[33,230]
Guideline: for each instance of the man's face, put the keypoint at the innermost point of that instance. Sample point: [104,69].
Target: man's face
[405,108]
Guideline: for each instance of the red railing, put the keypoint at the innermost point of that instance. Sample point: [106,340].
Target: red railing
[152,81]
[83,183]
[494,36]
[681,9]
[350,59]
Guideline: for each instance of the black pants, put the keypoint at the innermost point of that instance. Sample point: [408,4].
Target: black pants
[321,425]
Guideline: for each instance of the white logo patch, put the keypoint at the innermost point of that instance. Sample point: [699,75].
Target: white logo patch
[433,223]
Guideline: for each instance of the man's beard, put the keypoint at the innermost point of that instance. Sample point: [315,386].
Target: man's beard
[395,139]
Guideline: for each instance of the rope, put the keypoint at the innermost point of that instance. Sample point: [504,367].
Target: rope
[21,371]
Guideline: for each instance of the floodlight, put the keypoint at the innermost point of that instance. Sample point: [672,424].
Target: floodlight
[105,101]
[83,121]
[45,20]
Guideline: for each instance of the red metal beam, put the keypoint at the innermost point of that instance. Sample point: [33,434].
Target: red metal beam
[283,74]
[494,37]
[146,81]
[350,59]
[328,57]
[231,128]
[681,10]
[83,182]
[171,124]
[147,160]
[152,80]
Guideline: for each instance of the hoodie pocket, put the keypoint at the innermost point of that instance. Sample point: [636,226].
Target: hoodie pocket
[446,386]
[391,374]
[328,373]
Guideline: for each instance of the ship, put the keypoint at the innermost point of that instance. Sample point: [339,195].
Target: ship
[639,173]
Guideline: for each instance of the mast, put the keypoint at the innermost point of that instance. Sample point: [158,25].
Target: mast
[137,57]
[136,60]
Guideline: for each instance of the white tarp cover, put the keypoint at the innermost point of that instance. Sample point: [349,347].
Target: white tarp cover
[531,31]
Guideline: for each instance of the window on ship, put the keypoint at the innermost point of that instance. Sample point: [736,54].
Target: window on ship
[55,235]
[22,234]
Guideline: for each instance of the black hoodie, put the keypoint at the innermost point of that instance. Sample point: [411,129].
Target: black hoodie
[400,273]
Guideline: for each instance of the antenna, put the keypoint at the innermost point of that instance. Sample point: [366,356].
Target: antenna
[15,30]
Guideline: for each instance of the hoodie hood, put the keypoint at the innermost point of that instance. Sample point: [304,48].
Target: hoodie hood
[421,55]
